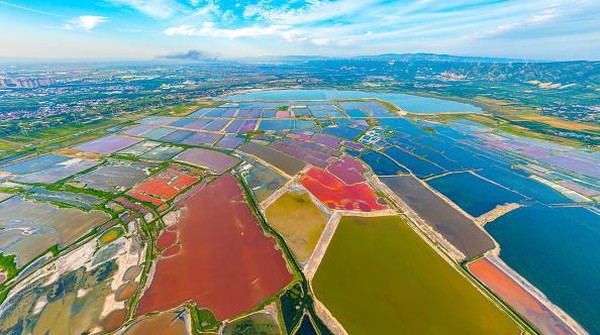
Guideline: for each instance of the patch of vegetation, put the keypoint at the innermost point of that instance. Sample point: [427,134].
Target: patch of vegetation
[429,130]
[588,137]
[64,135]
[506,125]
[204,319]
[255,324]
[111,234]
[372,122]
[8,265]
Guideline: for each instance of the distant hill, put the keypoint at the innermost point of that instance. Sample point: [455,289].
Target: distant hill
[429,57]
[292,59]
[421,59]
[411,66]
[410,57]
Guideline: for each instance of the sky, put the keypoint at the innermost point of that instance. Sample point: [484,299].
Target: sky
[141,29]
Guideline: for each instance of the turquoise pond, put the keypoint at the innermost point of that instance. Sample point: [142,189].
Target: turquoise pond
[410,103]
[558,251]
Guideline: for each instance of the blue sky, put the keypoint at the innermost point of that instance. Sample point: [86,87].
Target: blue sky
[537,29]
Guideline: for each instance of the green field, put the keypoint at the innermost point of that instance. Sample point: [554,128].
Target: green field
[379,277]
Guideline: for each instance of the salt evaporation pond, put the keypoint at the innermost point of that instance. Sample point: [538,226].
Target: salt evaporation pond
[558,250]
[410,103]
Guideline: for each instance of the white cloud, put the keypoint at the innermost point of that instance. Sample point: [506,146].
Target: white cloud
[315,11]
[545,15]
[161,9]
[211,8]
[228,17]
[338,26]
[320,41]
[541,17]
[252,10]
[85,22]
[208,29]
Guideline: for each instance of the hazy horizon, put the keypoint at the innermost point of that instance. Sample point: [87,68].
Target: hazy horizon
[146,29]
[164,59]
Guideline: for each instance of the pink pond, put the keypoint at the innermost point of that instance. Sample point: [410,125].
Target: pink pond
[108,144]
[209,159]
[348,169]
[330,141]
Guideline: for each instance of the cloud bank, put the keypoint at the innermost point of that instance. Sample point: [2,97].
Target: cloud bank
[85,22]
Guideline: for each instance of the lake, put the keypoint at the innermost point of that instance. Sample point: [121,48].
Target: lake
[410,103]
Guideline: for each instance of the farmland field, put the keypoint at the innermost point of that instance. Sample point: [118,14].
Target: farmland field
[393,282]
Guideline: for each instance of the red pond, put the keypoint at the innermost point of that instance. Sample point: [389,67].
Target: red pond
[162,186]
[225,261]
[334,193]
